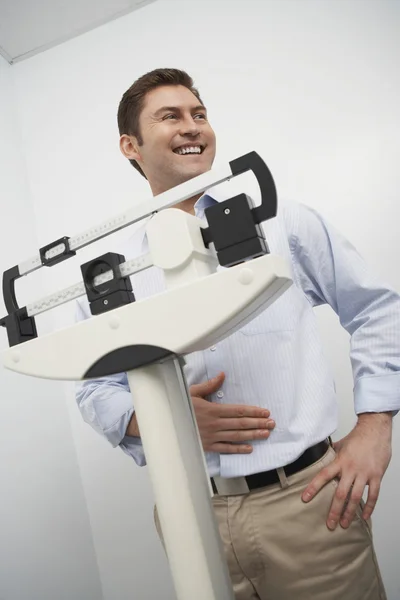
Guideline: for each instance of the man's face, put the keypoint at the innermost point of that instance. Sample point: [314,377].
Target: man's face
[178,142]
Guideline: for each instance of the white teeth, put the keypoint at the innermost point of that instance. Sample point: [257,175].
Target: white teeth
[189,150]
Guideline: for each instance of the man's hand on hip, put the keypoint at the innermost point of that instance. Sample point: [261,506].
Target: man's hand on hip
[362,459]
[224,426]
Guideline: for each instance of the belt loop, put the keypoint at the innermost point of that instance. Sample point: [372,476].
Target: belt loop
[282,478]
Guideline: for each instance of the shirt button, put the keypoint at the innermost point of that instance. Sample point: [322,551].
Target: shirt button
[213,348]
[220,394]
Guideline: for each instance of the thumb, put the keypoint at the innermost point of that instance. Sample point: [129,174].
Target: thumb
[207,387]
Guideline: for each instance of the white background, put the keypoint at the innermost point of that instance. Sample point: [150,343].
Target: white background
[313,86]
[46,543]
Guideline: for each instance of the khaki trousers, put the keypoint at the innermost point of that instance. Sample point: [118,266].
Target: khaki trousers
[279,548]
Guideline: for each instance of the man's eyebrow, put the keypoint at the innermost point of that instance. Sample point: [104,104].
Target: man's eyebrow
[177,109]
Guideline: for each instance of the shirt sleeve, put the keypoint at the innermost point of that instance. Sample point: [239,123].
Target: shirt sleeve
[330,270]
[106,404]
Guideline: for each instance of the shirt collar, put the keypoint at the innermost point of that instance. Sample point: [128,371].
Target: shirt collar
[202,203]
[138,241]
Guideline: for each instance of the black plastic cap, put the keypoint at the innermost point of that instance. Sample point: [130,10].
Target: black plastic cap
[20,327]
[231,222]
[64,255]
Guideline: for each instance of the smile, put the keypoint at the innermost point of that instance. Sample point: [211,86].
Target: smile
[196,149]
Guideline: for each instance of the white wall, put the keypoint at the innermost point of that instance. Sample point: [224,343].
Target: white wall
[46,547]
[313,86]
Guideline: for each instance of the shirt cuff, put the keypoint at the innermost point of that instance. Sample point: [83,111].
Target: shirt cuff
[133,447]
[116,432]
[377,393]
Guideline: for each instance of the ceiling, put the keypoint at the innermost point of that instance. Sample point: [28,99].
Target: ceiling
[28,27]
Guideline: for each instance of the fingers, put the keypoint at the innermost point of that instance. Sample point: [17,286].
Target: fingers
[373,494]
[239,411]
[229,411]
[347,497]
[243,436]
[207,387]
[245,423]
[326,474]
[354,497]
[222,427]
[341,495]
[226,448]
[353,502]
[339,501]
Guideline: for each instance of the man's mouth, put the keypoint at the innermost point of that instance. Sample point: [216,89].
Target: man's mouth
[195,149]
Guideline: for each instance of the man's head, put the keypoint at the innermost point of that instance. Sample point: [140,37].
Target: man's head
[164,129]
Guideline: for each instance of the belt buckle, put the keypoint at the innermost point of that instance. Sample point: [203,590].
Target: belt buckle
[231,486]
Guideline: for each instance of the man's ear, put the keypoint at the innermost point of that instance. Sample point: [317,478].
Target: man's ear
[129,147]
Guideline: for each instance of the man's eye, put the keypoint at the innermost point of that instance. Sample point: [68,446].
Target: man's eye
[200,115]
[171,116]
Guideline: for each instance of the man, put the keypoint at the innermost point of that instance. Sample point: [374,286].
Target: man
[301,531]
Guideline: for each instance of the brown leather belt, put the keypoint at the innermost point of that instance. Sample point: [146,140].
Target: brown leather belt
[258,480]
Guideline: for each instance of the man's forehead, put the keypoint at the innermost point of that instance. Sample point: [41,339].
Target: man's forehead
[171,95]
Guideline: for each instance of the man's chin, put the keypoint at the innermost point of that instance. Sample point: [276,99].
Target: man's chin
[188,174]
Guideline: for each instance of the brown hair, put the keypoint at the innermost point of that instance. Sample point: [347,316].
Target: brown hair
[132,101]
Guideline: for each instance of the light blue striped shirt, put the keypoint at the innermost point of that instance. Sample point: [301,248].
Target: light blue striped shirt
[277,361]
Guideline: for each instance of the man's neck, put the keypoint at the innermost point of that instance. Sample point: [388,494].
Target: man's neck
[185,205]
[188,205]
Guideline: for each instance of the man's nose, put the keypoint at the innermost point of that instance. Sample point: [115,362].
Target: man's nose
[189,127]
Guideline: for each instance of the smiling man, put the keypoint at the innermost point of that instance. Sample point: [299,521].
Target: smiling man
[168,155]
[264,398]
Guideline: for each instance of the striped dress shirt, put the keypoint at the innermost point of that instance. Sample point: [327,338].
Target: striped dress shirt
[277,361]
